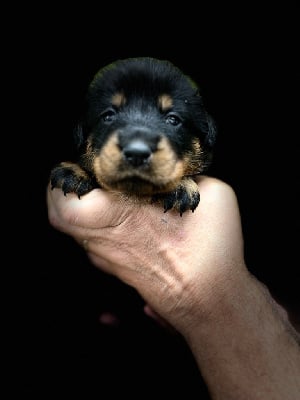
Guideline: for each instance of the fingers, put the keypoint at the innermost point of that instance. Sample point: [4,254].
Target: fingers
[97,209]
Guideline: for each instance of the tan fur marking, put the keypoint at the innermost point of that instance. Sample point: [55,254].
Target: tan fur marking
[165,102]
[88,157]
[190,186]
[106,163]
[193,160]
[118,100]
[162,174]
[167,167]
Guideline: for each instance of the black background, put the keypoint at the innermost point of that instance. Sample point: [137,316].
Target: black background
[245,65]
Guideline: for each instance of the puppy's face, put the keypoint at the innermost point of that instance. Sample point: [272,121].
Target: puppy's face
[145,127]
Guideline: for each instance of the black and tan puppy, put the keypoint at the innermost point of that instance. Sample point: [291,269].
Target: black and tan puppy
[144,132]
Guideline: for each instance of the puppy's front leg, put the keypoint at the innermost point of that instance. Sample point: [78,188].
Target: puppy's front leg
[185,197]
[71,178]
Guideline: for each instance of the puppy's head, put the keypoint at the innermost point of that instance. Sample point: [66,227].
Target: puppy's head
[144,128]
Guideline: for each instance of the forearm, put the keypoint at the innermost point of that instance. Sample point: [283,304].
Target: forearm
[247,349]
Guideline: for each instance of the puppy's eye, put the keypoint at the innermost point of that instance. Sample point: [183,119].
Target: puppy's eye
[108,115]
[173,119]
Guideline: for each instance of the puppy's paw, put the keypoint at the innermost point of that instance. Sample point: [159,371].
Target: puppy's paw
[71,178]
[185,197]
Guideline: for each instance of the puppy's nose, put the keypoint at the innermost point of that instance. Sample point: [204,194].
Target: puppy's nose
[137,153]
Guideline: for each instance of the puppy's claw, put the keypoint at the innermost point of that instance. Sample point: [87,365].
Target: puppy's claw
[71,179]
[169,201]
[181,200]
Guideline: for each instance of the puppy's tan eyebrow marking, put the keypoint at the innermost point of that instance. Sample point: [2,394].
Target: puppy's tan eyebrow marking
[118,100]
[165,102]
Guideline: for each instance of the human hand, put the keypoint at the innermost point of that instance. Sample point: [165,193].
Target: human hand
[182,266]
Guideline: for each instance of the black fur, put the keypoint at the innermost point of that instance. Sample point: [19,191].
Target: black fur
[144,132]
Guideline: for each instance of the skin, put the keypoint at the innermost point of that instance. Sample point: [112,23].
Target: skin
[191,272]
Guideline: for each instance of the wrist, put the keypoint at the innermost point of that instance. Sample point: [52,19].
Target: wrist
[246,345]
[215,301]
[241,301]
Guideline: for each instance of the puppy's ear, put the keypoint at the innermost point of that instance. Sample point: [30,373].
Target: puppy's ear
[210,138]
[207,123]
[79,137]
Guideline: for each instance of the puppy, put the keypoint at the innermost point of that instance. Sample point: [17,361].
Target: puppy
[144,133]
